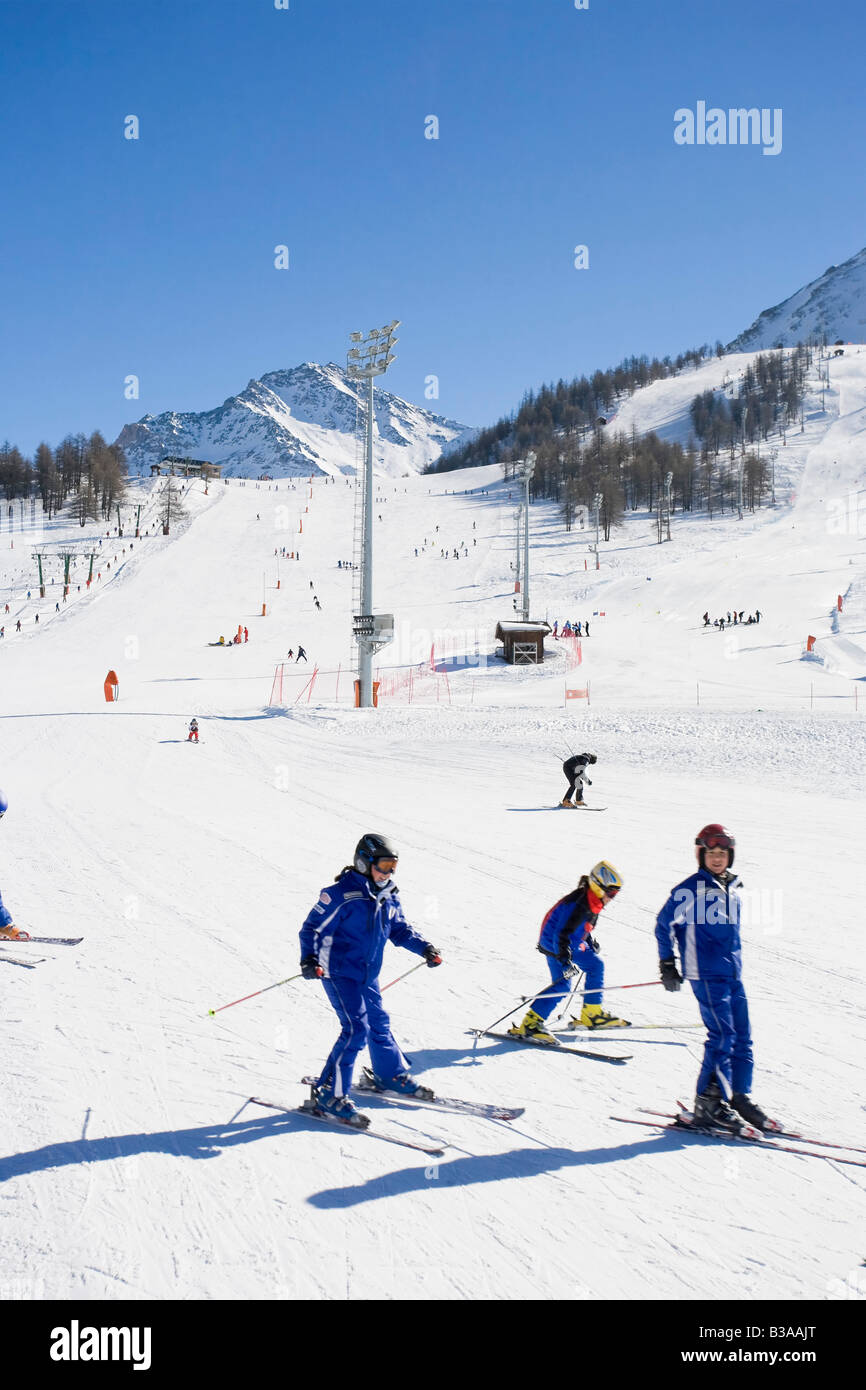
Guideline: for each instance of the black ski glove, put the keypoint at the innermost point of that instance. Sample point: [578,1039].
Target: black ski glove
[311,969]
[671,977]
[568,967]
[592,944]
[588,781]
[432,956]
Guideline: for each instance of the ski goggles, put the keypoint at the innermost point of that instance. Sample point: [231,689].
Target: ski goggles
[718,842]
[385,866]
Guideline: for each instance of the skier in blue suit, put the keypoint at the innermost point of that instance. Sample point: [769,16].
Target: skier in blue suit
[342,944]
[702,918]
[8,929]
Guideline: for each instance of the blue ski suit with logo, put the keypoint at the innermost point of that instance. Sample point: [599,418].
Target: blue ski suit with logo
[702,916]
[347,931]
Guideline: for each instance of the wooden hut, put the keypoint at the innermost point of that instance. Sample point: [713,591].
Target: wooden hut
[522,643]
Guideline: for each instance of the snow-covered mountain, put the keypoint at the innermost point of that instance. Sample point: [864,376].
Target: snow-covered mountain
[834,304]
[295,422]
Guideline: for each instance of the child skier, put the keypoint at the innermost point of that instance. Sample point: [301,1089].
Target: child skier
[193,731]
[575,770]
[342,944]
[8,929]
[702,916]
[565,931]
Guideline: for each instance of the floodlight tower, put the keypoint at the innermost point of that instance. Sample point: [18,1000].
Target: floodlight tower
[368,358]
[528,470]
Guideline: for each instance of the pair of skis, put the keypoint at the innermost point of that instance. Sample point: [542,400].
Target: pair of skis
[6,959]
[683,1123]
[552,1047]
[367,1087]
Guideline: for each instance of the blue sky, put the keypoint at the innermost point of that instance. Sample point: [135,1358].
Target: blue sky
[305,127]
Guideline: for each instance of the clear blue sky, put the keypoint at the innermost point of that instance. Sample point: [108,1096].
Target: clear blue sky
[305,127]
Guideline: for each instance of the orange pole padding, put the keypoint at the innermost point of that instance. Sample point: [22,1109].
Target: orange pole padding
[810,642]
[278,583]
[300,525]
[112,686]
[517,586]
[839,603]
[264,611]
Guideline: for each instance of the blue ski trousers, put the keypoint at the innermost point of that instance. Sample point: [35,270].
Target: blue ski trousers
[364,1023]
[728,1051]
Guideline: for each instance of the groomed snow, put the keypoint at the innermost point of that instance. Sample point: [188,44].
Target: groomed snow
[132,1166]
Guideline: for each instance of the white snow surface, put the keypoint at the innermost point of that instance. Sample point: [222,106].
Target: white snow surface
[132,1165]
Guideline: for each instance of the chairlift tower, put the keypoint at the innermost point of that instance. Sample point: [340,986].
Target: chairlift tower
[528,470]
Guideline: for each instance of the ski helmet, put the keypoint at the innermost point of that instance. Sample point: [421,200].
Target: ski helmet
[714,837]
[603,878]
[4,804]
[590,757]
[371,847]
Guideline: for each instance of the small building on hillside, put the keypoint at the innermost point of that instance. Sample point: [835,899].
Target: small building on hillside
[522,643]
[185,468]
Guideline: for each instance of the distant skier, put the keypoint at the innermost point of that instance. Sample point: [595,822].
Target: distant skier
[575,770]
[566,933]
[290,654]
[192,736]
[342,944]
[8,929]
[301,653]
[702,919]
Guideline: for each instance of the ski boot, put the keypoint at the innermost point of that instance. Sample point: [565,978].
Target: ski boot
[594,1016]
[401,1085]
[533,1029]
[750,1112]
[569,805]
[339,1107]
[712,1111]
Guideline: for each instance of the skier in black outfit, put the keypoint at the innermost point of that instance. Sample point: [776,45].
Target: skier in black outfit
[575,770]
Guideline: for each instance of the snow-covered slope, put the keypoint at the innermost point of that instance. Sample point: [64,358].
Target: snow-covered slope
[293,423]
[834,306]
[132,1162]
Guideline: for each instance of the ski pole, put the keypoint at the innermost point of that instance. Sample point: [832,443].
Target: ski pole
[644,984]
[581,974]
[402,977]
[254,995]
[524,999]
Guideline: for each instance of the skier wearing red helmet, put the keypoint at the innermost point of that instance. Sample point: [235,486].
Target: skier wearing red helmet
[701,919]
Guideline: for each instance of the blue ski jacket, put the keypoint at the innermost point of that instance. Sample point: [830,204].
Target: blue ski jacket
[350,924]
[702,915]
[567,925]
[5,915]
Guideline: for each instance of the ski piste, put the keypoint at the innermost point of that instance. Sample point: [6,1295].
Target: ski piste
[305,1109]
[551,1047]
[756,1138]
[779,1132]
[461,1107]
